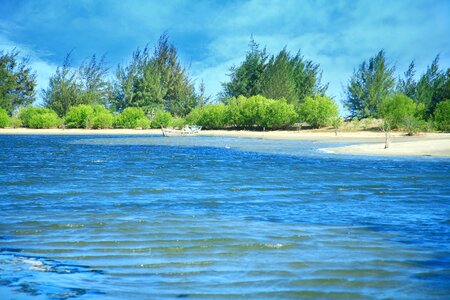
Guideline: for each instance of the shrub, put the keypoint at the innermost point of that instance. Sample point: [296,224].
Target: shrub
[442,116]
[161,118]
[143,123]
[279,114]
[178,122]
[132,117]
[15,122]
[261,112]
[5,120]
[402,112]
[80,116]
[44,120]
[102,118]
[212,116]
[38,117]
[318,111]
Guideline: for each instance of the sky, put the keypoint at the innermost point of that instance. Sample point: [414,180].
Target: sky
[211,36]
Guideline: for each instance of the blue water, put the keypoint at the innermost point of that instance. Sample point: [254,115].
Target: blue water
[85,217]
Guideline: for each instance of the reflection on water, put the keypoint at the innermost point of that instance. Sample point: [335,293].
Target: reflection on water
[148,218]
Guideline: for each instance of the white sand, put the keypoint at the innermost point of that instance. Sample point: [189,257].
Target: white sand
[429,144]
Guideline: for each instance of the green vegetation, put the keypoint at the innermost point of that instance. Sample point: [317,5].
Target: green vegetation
[86,116]
[402,113]
[17,82]
[102,118]
[132,117]
[280,76]
[155,81]
[369,86]
[260,112]
[5,120]
[212,116]
[38,117]
[265,91]
[79,116]
[442,116]
[161,118]
[319,111]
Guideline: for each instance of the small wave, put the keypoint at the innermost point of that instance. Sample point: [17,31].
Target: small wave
[326,150]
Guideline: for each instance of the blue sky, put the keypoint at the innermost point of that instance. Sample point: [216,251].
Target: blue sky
[211,36]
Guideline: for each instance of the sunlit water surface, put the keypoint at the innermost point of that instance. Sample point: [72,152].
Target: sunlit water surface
[200,217]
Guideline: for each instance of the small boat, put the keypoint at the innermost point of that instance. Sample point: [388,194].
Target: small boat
[185,131]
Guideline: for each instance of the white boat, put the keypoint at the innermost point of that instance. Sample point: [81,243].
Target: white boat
[187,130]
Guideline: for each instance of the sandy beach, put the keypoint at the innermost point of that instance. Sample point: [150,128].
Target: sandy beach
[366,142]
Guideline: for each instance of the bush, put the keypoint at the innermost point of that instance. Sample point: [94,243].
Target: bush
[161,118]
[442,116]
[143,123]
[318,111]
[38,117]
[5,120]
[44,120]
[212,116]
[261,112]
[80,116]
[102,118]
[178,122]
[402,113]
[132,117]
[15,122]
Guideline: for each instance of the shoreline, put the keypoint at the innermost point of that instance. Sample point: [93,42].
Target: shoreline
[366,142]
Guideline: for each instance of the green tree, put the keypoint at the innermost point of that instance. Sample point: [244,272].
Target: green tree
[246,79]
[442,116]
[155,81]
[433,87]
[318,111]
[401,112]
[278,78]
[161,118]
[17,82]
[407,85]
[5,120]
[63,90]
[95,88]
[369,86]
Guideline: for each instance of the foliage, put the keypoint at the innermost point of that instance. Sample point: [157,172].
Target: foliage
[245,80]
[433,87]
[102,118]
[179,122]
[161,118]
[132,117]
[260,112]
[154,82]
[17,82]
[38,117]
[95,89]
[401,112]
[281,76]
[63,90]
[15,122]
[318,111]
[369,86]
[211,116]
[143,123]
[5,120]
[442,116]
[79,116]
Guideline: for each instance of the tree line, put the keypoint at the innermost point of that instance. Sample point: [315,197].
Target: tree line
[264,91]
